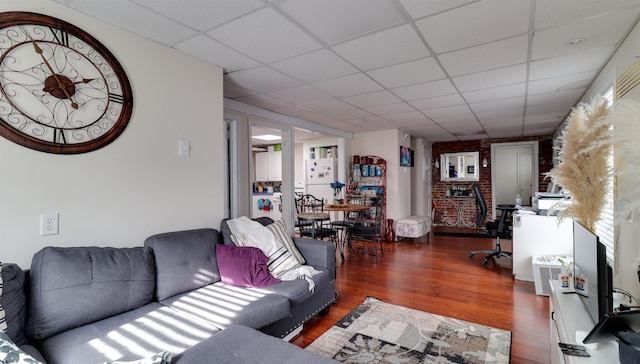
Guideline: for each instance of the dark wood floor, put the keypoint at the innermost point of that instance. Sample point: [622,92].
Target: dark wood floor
[437,275]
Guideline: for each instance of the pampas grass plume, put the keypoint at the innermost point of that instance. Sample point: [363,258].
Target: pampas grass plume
[583,169]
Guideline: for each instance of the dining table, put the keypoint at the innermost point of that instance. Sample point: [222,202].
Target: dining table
[315,218]
[344,208]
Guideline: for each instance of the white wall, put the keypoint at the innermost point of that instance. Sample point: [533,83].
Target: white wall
[386,144]
[628,251]
[137,186]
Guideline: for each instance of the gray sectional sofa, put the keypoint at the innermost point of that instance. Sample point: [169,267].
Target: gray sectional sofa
[92,305]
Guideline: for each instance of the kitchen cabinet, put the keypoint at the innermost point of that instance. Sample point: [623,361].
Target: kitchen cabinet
[268,166]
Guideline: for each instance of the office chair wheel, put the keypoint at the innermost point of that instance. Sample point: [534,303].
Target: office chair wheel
[471,255]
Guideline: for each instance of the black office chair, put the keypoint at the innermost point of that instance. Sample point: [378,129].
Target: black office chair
[500,229]
[368,230]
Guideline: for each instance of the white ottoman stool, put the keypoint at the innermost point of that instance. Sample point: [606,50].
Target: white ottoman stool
[413,226]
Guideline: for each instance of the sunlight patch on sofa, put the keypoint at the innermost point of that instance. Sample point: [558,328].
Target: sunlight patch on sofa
[204,277]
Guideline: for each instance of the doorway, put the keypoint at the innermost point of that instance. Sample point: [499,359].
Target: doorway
[514,171]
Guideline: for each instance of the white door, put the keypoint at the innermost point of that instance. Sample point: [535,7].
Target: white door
[514,171]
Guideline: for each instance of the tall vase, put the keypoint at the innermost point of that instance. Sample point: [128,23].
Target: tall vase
[390,235]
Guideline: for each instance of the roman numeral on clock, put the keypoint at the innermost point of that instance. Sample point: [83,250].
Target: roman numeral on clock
[116,98]
[60,36]
[59,137]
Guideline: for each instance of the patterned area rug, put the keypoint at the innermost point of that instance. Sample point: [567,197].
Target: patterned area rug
[379,332]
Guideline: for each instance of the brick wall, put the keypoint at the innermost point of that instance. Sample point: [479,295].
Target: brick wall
[445,209]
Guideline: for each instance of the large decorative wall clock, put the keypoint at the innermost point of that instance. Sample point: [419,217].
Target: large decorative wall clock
[61,90]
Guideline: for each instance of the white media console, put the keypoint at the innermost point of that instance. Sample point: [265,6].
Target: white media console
[568,315]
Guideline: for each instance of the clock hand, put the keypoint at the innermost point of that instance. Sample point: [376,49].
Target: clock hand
[53,73]
[84,80]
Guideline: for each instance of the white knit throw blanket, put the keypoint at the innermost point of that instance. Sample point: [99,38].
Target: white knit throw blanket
[247,232]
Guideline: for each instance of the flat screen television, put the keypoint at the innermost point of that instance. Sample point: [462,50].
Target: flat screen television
[590,260]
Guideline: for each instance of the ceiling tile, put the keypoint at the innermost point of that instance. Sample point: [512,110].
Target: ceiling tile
[486,57]
[232,91]
[505,103]
[574,81]
[263,79]
[265,35]
[315,66]
[409,73]
[209,50]
[328,105]
[263,101]
[577,62]
[351,114]
[405,117]
[598,32]
[401,44]
[348,85]
[397,108]
[500,113]
[505,121]
[447,111]
[420,8]
[294,110]
[300,94]
[443,120]
[487,79]
[462,27]
[425,90]
[340,15]
[551,13]
[372,99]
[437,102]
[413,123]
[495,93]
[133,17]
[202,14]
[568,97]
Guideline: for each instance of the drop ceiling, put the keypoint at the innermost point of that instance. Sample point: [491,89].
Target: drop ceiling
[443,70]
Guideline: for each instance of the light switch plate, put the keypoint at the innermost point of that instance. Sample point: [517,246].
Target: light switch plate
[184,148]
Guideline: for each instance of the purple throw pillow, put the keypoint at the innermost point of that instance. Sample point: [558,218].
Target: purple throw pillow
[244,266]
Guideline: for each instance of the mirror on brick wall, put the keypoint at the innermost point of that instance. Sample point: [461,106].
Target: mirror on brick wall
[462,166]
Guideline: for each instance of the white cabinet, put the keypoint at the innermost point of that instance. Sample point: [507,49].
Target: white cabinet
[538,235]
[567,315]
[268,166]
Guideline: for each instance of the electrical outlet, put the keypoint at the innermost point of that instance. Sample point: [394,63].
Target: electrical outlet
[49,224]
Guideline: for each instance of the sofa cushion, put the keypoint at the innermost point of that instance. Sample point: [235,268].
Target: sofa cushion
[242,345]
[224,305]
[247,232]
[225,232]
[297,290]
[185,260]
[244,266]
[14,302]
[279,230]
[132,335]
[159,358]
[71,287]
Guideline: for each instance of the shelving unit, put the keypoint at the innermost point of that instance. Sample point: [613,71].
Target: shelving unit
[366,183]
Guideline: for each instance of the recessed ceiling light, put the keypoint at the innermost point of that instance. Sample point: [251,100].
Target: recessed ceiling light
[266,137]
[575,41]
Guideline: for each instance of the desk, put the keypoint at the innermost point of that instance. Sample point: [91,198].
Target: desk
[345,208]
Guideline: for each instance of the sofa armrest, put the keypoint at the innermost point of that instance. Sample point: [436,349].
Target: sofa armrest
[319,253]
